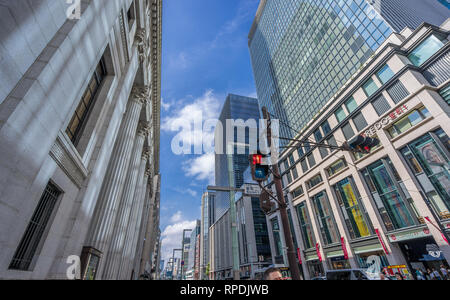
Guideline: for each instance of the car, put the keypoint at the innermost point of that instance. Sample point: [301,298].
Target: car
[319,278]
[349,274]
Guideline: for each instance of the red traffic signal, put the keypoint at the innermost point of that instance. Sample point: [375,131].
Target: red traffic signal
[361,144]
[260,172]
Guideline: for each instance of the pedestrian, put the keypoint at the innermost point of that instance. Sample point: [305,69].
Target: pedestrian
[444,273]
[419,275]
[383,276]
[398,276]
[273,274]
[436,274]
[430,275]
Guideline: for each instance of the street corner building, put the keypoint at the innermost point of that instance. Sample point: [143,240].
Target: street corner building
[79,138]
[364,70]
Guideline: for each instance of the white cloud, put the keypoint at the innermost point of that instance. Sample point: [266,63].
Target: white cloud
[172,235]
[191,192]
[179,61]
[201,167]
[165,105]
[176,217]
[182,121]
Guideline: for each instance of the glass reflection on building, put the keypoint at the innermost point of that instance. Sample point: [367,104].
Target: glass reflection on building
[428,159]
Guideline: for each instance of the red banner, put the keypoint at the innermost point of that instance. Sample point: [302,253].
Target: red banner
[443,236]
[381,241]
[344,248]
[299,256]
[318,252]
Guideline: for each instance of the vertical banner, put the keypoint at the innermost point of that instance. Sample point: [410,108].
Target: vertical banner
[381,241]
[299,256]
[344,248]
[443,236]
[318,252]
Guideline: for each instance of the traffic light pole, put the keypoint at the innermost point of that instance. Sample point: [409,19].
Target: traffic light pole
[291,253]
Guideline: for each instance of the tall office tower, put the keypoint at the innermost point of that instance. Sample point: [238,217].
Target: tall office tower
[206,222]
[235,108]
[193,250]
[303,51]
[79,135]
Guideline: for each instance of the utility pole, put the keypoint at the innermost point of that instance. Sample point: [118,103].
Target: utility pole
[291,252]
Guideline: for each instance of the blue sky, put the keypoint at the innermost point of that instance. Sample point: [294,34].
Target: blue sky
[205,56]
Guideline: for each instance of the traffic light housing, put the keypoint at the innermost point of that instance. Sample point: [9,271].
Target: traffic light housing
[361,144]
[260,172]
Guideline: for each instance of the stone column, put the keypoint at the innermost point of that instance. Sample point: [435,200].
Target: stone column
[118,236]
[149,226]
[137,241]
[127,251]
[108,200]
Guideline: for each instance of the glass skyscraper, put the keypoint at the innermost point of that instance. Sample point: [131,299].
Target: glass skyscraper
[235,108]
[304,51]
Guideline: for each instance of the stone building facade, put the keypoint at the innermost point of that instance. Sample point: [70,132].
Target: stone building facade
[79,138]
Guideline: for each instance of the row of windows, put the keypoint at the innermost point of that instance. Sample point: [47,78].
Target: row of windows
[396,91]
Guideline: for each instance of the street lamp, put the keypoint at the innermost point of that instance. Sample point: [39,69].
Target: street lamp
[173,260]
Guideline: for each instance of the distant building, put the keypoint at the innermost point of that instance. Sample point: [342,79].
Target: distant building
[194,251]
[235,108]
[208,199]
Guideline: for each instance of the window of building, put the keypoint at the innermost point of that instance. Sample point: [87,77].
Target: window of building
[300,152]
[347,130]
[318,135]
[397,91]
[90,259]
[324,215]
[289,177]
[307,146]
[411,120]
[80,117]
[305,226]
[384,74]
[326,127]
[425,50]
[429,162]
[316,180]
[336,167]
[349,201]
[294,172]
[391,205]
[351,105]
[31,239]
[291,160]
[332,141]
[381,105]
[304,165]
[340,115]
[323,152]
[311,160]
[298,192]
[360,122]
[370,87]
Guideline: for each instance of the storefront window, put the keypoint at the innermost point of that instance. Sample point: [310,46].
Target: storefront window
[390,204]
[325,218]
[305,225]
[348,200]
[429,162]
[336,167]
[365,260]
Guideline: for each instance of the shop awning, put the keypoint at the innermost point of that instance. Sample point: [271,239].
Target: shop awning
[335,254]
[369,248]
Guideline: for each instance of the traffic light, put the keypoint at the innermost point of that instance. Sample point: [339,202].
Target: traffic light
[361,144]
[260,172]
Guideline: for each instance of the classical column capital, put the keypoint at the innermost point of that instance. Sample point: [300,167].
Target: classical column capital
[140,94]
[142,45]
[143,128]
